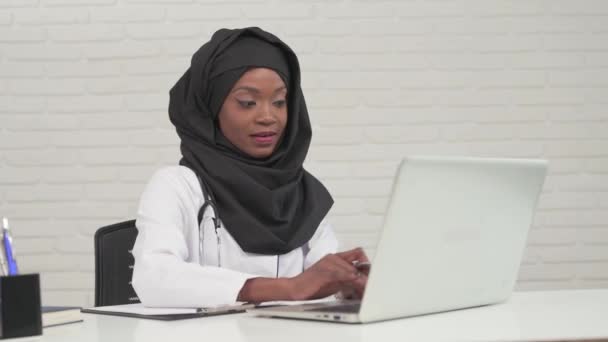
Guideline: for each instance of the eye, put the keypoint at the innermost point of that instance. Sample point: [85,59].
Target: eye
[246,104]
[280,103]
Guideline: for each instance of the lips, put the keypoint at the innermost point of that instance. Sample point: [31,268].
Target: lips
[264,138]
[264,134]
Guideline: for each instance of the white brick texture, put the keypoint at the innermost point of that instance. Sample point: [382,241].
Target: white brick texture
[84,94]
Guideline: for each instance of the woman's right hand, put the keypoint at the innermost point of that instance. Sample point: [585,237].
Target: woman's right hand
[328,276]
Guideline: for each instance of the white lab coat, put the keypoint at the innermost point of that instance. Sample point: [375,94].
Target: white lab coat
[169,272]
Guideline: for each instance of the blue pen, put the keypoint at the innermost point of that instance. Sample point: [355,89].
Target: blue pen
[8,248]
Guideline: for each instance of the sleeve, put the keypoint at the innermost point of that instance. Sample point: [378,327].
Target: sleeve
[162,276]
[323,242]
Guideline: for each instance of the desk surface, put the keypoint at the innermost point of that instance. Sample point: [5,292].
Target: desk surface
[528,316]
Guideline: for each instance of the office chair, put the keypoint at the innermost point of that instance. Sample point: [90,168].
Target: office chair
[114,264]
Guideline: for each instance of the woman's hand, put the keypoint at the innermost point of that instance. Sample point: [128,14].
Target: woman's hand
[332,274]
[354,257]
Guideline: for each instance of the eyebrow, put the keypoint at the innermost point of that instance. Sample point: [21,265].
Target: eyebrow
[256,90]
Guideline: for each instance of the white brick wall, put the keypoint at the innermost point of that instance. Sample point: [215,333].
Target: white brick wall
[84,92]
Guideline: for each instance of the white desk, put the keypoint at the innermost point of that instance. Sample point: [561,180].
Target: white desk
[526,316]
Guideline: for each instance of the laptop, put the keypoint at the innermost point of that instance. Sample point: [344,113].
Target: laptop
[453,237]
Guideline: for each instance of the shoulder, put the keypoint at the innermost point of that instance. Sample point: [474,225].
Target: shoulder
[176,179]
[176,173]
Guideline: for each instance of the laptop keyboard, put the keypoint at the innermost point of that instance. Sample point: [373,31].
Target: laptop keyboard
[345,308]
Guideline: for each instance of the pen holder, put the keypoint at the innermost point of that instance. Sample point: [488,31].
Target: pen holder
[20,306]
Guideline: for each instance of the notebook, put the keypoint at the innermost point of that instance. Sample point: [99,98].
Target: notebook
[166,314]
[59,315]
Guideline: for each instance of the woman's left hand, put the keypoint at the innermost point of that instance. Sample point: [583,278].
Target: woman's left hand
[355,256]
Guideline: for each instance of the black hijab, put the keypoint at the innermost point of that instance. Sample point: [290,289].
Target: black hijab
[271,205]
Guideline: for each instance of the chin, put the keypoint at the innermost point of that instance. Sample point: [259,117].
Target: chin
[261,154]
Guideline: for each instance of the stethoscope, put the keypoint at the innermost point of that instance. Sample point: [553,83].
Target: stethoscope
[210,202]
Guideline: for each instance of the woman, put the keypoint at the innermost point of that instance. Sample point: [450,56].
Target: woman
[239,219]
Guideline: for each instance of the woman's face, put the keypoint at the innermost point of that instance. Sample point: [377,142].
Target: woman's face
[254,114]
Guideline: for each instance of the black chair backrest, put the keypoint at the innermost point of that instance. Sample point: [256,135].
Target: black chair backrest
[114,264]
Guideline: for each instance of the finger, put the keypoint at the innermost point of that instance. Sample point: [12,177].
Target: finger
[351,291]
[363,267]
[337,262]
[350,254]
[361,281]
[348,293]
[332,269]
[358,294]
[362,256]
[344,265]
[356,254]
[339,269]
[359,284]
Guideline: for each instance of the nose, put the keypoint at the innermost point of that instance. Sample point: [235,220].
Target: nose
[265,115]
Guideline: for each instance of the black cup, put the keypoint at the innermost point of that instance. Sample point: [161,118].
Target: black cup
[20,306]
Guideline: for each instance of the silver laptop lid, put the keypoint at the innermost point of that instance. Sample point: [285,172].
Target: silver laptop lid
[453,236]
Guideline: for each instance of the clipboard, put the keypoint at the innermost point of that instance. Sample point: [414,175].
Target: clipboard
[166,314]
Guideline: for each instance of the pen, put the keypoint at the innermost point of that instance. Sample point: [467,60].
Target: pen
[7,241]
